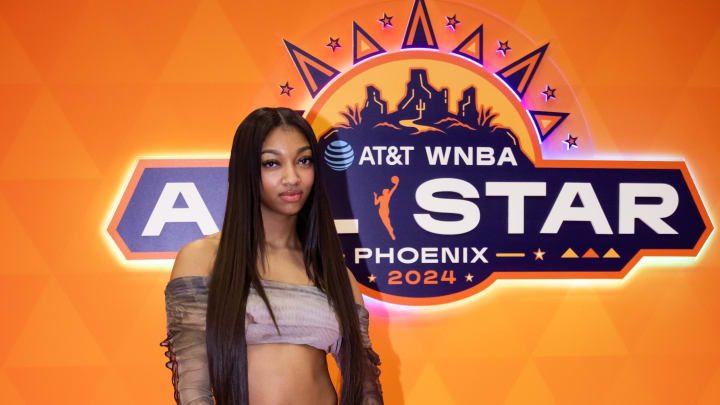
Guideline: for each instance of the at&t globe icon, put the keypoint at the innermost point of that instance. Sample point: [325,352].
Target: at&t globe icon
[339,155]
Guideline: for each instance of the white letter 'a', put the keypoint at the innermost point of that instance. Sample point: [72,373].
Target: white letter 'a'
[591,211]
[164,211]
[469,211]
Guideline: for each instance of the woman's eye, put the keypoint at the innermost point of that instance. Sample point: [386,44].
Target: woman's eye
[306,160]
[269,163]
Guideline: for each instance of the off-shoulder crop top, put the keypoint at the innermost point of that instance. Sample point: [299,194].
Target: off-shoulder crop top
[303,314]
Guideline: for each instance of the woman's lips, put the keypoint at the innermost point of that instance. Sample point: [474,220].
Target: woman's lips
[291,196]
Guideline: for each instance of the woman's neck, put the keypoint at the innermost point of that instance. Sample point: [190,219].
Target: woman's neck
[280,231]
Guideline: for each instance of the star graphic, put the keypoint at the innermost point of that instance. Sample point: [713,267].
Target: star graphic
[469,277]
[286,89]
[334,43]
[571,142]
[539,254]
[452,22]
[371,278]
[385,20]
[503,47]
[548,93]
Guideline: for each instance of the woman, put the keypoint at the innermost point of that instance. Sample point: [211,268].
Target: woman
[278,261]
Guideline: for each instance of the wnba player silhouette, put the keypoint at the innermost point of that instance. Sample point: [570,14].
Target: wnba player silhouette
[384,202]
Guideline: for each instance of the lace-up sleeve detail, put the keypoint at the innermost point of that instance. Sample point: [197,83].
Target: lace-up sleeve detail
[372,390]
[186,306]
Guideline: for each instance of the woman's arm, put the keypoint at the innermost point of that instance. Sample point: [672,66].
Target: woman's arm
[372,390]
[186,308]
[186,349]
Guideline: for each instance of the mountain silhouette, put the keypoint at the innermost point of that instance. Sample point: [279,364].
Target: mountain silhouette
[423,111]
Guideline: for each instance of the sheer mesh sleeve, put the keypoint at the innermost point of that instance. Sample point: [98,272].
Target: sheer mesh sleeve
[372,390]
[186,306]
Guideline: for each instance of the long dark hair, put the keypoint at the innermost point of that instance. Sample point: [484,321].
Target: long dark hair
[241,241]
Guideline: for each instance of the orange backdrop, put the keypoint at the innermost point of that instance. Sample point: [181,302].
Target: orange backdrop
[87,87]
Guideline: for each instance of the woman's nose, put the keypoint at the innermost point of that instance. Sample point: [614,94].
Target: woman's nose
[290,176]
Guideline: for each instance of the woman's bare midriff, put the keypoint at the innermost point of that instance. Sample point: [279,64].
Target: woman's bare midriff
[283,373]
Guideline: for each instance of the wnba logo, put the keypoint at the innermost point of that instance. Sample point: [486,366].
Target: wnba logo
[477,201]
[383,201]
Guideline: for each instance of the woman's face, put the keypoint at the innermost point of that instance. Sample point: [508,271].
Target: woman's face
[287,171]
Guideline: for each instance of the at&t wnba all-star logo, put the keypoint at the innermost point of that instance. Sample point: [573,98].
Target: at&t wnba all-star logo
[452,162]
[438,182]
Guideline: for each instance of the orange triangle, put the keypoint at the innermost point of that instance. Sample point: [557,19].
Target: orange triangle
[46,147]
[472,48]
[631,384]
[592,331]
[125,303]
[16,66]
[72,205]
[57,25]
[210,50]
[8,393]
[56,385]
[417,338]
[693,375]
[55,335]
[18,294]
[164,113]
[490,384]
[365,46]
[546,123]
[26,257]
[704,70]
[569,254]
[113,386]
[530,388]
[86,56]
[662,353]
[429,388]
[679,314]
[572,378]
[494,335]
[611,254]
[13,115]
[531,13]
[532,314]
[159,117]
[104,103]
[152,43]
[148,325]
[644,298]
[590,254]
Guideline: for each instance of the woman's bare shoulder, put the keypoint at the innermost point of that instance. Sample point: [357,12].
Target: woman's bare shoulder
[196,258]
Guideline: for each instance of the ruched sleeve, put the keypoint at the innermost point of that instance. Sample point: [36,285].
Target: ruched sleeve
[186,307]
[372,390]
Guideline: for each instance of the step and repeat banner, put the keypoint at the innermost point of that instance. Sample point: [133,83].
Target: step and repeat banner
[523,190]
